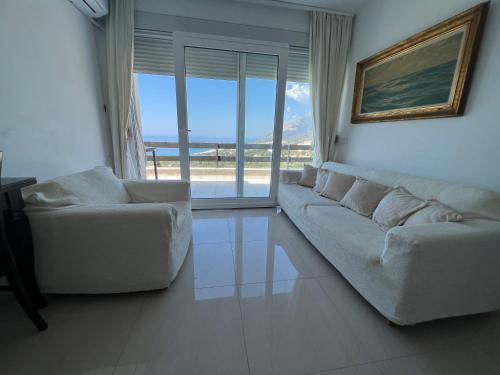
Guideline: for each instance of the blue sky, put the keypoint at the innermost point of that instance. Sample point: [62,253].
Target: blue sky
[212,106]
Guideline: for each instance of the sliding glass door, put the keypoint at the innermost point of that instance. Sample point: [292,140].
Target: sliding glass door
[230,96]
[212,111]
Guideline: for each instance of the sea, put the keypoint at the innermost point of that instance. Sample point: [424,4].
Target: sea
[196,139]
[426,87]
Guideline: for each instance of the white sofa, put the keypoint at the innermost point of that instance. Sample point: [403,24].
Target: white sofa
[94,233]
[410,274]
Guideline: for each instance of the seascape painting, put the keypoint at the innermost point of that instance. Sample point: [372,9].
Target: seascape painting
[427,75]
[421,77]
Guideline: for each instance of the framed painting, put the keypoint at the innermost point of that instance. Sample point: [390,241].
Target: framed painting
[425,76]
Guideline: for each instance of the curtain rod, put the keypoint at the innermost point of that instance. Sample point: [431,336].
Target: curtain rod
[290,5]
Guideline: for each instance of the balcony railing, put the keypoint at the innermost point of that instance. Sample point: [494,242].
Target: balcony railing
[221,152]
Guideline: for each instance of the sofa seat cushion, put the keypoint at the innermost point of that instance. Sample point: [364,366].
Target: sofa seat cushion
[296,197]
[95,186]
[337,227]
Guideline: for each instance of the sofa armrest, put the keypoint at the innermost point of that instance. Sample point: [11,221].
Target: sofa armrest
[442,269]
[455,255]
[290,176]
[142,191]
[446,241]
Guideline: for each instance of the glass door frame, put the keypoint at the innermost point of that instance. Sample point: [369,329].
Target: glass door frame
[185,39]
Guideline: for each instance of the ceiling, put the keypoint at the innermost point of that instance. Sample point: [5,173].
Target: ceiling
[349,6]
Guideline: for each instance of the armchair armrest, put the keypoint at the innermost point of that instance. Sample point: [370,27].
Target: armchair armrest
[142,191]
[290,176]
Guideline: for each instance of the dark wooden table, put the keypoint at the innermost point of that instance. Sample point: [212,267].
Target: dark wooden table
[16,249]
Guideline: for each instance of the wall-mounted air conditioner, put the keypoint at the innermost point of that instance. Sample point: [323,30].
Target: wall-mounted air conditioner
[92,8]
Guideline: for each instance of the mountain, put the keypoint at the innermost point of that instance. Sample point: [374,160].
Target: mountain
[295,130]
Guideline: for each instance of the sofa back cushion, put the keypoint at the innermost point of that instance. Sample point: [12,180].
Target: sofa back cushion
[395,208]
[94,186]
[321,178]
[471,202]
[435,212]
[308,177]
[337,185]
[364,196]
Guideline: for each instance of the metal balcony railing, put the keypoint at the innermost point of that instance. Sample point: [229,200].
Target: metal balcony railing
[219,151]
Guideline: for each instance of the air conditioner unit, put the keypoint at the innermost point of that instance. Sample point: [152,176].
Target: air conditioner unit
[92,8]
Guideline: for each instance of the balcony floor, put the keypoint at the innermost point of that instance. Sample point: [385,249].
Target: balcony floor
[219,182]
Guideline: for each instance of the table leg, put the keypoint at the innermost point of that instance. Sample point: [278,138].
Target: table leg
[25,301]
[9,269]
[19,235]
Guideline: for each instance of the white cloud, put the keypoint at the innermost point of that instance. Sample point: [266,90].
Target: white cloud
[298,92]
[289,109]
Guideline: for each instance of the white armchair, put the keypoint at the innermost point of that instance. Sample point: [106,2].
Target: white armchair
[130,236]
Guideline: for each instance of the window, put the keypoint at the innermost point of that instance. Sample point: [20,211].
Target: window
[297,122]
[154,68]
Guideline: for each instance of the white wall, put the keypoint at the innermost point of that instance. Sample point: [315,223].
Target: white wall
[51,118]
[230,11]
[225,17]
[458,149]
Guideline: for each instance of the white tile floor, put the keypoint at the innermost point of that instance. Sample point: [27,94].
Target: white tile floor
[254,297]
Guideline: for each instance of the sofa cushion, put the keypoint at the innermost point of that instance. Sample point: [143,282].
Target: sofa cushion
[337,185]
[395,208]
[95,186]
[435,212]
[336,226]
[308,177]
[364,196]
[296,197]
[321,178]
[471,202]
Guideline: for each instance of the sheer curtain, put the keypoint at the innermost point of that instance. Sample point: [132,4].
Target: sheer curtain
[329,38]
[126,132]
[136,152]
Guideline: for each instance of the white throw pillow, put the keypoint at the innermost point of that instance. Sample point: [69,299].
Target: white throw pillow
[337,185]
[308,177]
[395,208]
[364,196]
[321,178]
[434,212]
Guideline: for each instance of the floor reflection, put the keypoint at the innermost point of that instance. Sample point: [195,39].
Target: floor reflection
[253,254]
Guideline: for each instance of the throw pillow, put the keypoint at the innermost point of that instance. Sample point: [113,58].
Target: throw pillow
[321,178]
[364,196]
[434,212]
[337,185]
[308,177]
[395,208]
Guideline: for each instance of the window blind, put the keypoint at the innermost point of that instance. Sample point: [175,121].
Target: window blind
[153,54]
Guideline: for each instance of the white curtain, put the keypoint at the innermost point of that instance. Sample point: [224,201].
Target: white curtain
[136,152]
[329,39]
[125,132]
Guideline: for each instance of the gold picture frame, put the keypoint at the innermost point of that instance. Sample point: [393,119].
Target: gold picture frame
[425,76]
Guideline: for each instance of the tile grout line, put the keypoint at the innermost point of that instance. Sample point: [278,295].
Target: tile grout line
[239,301]
[244,333]
[375,361]
[143,305]
[378,361]
[252,283]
